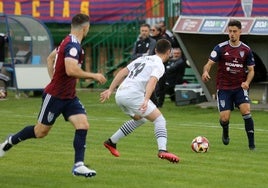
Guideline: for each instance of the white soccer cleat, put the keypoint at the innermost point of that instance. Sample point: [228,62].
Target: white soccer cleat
[81,170]
[2,146]
[5,146]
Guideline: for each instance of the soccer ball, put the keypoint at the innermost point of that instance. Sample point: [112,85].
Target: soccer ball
[200,144]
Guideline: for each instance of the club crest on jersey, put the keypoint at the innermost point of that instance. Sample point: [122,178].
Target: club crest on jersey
[242,53]
[222,103]
[50,116]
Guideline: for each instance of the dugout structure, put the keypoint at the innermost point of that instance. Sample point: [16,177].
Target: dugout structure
[197,37]
[29,44]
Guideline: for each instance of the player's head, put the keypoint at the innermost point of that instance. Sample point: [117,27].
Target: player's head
[81,22]
[163,49]
[235,23]
[234,30]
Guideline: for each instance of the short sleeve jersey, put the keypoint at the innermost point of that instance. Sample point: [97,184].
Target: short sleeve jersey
[232,64]
[63,86]
[141,70]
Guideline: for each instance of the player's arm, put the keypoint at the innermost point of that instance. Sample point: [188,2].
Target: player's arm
[120,76]
[72,69]
[150,87]
[250,76]
[50,62]
[205,76]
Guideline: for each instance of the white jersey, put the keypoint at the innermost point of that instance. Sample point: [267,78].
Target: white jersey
[140,71]
[130,94]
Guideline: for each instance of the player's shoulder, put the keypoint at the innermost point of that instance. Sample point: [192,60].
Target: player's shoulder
[245,45]
[70,40]
[222,44]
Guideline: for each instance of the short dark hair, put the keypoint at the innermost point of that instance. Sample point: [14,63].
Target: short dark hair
[236,23]
[80,19]
[162,46]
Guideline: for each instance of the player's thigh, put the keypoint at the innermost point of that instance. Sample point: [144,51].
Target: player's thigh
[129,102]
[50,109]
[225,100]
[242,101]
[75,113]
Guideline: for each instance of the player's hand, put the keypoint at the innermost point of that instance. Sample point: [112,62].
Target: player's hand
[100,78]
[105,95]
[144,106]
[245,85]
[205,76]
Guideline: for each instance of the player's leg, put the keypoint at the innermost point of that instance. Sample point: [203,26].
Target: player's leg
[249,128]
[243,102]
[224,122]
[24,134]
[81,126]
[225,106]
[130,106]
[76,115]
[40,130]
[161,135]
[127,128]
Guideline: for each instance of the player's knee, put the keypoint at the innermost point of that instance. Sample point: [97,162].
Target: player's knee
[160,120]
[40,134]
[41,130]
[137,117]
[84,126]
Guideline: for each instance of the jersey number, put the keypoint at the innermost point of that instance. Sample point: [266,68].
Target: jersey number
[138,67]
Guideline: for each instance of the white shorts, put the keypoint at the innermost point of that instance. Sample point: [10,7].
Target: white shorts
[130,103]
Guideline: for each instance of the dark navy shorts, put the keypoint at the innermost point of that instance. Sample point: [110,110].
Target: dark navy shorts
[228,99]
[52,107]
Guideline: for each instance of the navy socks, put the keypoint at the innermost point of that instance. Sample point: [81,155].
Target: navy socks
[24,134]
[249,128]
[79,145]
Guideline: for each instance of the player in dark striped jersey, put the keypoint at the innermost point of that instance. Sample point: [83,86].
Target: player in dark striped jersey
[235,72]
[59,97]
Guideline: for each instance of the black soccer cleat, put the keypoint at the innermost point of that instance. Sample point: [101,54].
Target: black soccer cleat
[225,135]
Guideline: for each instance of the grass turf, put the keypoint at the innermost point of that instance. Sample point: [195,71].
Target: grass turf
[47,162]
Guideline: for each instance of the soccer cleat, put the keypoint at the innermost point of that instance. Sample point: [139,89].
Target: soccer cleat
[252,147]
[225,135]
[225,140]
[81,170]
[168,156]
[5,146]
[111,147]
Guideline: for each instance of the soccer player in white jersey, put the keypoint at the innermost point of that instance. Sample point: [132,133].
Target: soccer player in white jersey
[137,82]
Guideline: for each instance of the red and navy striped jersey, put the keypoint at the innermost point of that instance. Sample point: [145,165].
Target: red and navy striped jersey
[63,86]
[232,64]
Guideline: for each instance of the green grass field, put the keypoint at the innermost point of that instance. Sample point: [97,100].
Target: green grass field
[47,162]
